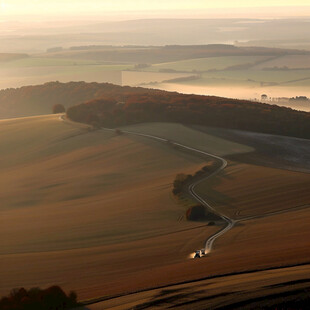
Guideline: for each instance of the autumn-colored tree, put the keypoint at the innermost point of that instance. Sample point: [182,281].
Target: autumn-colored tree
[52,298]
[148,105]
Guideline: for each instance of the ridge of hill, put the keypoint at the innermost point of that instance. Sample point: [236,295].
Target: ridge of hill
[144,105]
[128,105]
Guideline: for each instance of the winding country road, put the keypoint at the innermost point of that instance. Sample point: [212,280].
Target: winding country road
[211,239]
[229,221]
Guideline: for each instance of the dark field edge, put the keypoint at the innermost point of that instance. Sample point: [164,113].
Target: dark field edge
[295,299]
[265,154]
[251,271]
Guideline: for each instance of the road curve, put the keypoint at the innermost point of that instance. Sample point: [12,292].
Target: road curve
[229,222]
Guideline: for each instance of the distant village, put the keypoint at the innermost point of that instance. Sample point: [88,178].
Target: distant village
[300,99]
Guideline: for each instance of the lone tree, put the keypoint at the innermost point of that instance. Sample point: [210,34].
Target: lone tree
[58,108]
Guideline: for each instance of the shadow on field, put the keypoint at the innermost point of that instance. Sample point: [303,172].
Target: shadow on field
[270,150]
[208,189]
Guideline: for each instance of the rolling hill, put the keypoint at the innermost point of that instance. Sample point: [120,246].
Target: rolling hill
[77,204]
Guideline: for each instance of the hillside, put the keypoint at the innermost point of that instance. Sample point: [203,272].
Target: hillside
[79,205]
[270,233]
[76,204]
[133,105]
[39,99]
[144,105]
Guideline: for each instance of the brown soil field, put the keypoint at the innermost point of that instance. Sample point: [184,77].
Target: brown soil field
[243,190]
[271,240]
[258,286]
[93,211]
[87,209]
[254,245]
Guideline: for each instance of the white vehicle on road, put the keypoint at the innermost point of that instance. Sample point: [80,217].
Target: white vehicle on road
[200,253]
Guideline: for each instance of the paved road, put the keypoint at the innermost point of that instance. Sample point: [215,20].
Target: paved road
[229,222]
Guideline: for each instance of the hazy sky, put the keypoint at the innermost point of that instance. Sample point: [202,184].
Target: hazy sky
[17,7]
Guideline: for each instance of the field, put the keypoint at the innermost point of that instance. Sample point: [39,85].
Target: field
[243,77]
[18,77]
[46,62]
[81,211]
[267,190]
[278,77]
[257,289]
[289,61]
[251,78]
[136,78]
[226,71]
[270,240]
[243,190]
[210,63]
[257,245]
[77,205]
[192,138]
[38,70]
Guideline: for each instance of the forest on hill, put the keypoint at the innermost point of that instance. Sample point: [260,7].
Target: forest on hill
[39,99]
[125,105]
[111,105]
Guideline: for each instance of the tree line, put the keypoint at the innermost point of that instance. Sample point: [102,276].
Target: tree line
[52,298]
[111,105]
[121,106]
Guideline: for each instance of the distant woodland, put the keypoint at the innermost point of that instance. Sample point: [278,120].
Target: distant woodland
[121,106]
[110,105]
[159,54]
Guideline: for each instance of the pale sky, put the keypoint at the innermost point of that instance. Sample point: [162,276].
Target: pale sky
[18,7]
[31,10]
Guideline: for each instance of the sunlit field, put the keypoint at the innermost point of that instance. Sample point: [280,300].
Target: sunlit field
[77,204]
[154,155]
[211,63]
